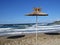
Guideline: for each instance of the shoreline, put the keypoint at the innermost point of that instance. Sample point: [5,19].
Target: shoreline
[30,39]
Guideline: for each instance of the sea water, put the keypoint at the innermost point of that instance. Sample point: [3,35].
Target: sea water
[16,29]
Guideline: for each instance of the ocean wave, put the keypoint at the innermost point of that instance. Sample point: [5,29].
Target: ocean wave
[32,29]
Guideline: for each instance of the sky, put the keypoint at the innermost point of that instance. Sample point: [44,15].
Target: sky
[14,11]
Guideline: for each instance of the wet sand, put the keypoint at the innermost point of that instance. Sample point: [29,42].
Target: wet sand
[30,39]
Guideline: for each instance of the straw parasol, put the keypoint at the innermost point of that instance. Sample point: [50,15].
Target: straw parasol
[37,12]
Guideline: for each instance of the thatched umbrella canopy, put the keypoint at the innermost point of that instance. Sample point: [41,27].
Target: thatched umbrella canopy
[37,12]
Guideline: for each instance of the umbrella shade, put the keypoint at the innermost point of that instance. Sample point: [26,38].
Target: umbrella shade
[37,12]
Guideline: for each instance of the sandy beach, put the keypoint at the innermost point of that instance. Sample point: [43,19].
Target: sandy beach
[30,39]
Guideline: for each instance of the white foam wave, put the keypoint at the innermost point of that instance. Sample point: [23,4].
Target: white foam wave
[41,29]
[56,27]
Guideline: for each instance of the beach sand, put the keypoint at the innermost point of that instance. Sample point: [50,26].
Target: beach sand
[30,39]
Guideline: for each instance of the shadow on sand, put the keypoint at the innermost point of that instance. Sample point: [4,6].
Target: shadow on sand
[17,36]
[52,33]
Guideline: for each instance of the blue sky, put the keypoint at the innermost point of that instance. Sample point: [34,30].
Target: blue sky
[14,11]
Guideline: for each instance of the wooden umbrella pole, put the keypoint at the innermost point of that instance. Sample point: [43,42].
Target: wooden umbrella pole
[36,28]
